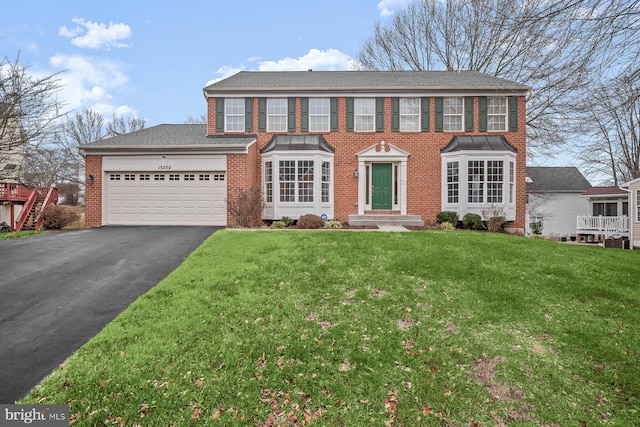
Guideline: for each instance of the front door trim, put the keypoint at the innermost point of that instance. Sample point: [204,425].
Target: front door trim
[382,153]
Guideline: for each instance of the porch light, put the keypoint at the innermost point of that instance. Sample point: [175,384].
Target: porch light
[90,179]
[356,173]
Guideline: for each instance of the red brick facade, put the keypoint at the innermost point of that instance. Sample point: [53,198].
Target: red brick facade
[424,180]
[93,191]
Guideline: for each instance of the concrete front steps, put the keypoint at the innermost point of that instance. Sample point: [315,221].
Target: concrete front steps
[381,219]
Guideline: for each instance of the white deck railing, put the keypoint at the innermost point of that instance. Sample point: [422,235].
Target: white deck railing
[607,225]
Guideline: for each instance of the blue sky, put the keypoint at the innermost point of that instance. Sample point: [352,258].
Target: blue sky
[152,59]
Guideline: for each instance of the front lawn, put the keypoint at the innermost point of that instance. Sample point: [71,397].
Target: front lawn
[287,328]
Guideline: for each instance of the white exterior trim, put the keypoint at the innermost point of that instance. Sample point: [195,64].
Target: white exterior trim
[382,153]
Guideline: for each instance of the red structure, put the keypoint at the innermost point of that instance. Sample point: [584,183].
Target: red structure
[31,203]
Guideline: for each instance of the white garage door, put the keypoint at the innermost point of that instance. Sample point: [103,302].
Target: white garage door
[176,198]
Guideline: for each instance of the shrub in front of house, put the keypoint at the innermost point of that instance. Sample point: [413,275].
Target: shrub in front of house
[333,223]
[446,226]
[278,224]
[287,221]
[447,216]
[472,221]
[496,224]
[310,221]
[245,206]
[55,217]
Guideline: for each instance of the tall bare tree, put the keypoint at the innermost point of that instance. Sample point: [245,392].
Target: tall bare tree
[29,112]
[120,125]
[612,120]
[559,47]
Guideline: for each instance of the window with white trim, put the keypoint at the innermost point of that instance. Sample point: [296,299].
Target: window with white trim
[326,182]
[475,178]
[364,115]
[496,114]
[158,177]
[268,181]
[234,114]
[287,179]
[114,177]
[495,172]
[129,177]
[174,177]
[452,114]
[276,115]
[511,182]
[409,114]
[144,177]
[189,177]
[453,182]
[305,181]
[319,114]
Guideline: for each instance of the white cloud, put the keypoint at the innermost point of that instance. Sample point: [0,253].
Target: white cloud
[88,82]
[94,35]
[315,59]
[389,7]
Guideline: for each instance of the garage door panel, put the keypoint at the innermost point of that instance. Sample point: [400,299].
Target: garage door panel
[166,199]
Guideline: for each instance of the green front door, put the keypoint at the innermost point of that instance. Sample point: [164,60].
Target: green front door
[381,192]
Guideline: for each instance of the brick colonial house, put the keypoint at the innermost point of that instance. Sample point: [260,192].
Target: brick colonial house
[362,147]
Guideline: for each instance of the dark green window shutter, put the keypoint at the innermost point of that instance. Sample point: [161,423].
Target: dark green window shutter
[468,113]
[379,114]
[248,114]
[425,114]
[439,114]
[304,114]
[262,114]
[291,110]
[333,103]
[482,116]
[349,114]
[513,113]
[395,114]
[219,114]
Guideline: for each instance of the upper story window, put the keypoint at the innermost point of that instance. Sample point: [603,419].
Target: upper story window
[276,115]
[364,113]
[409,114]
[319,115]
[496,114]
[234,114]
[452,114]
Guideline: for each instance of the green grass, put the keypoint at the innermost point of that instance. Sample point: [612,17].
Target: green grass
[264,328]
[17,234]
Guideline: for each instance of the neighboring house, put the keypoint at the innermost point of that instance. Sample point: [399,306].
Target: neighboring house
[554,198]
[361,147]
[608,214]
[633,187]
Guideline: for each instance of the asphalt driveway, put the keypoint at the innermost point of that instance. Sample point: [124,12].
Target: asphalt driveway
[57,290]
